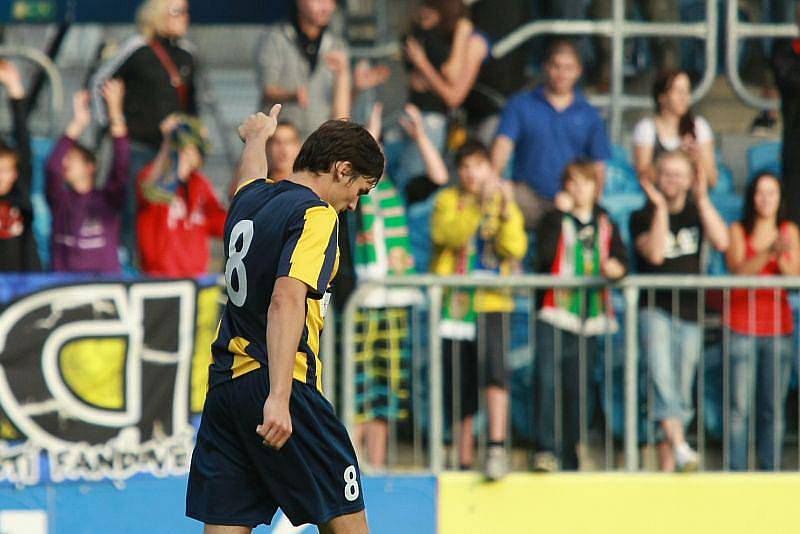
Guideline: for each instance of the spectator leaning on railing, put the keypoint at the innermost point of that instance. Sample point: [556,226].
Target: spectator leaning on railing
[580,241]
[477,228]
[178,208]
[668,233]
[764,243]
[672,127]
[786,66]
[86,218]
[546,129]
[158,70]
[17,244]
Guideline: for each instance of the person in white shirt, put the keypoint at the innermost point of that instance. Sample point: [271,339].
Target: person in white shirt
[673,127]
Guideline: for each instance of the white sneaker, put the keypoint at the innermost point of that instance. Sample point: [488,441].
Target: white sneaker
[686,458]
[496,463]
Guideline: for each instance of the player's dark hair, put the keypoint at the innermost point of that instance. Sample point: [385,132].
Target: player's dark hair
[341,140]
[749,213]
[472,147]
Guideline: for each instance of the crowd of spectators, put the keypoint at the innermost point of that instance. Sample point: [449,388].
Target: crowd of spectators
[526,197]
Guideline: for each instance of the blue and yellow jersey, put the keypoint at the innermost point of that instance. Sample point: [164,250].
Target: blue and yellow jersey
[273,230]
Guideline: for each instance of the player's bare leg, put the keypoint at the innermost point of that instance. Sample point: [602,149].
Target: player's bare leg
[226,529]
[346,524]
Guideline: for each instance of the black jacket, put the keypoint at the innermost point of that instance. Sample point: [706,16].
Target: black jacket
[149,93]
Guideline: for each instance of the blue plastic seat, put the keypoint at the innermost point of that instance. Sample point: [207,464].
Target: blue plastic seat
[764,157]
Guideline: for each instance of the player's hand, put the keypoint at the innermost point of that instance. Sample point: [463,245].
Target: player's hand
[260,126]
[276,428]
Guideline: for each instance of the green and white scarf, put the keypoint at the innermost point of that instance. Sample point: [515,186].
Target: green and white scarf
[382,245]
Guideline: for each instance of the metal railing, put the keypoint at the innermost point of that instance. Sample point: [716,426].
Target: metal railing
[736,32]
[51,71]
[532,286]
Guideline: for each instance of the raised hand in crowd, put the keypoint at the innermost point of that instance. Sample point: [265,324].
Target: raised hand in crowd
[414,125]
[81,116]
[114,95]
[653,194]
[375,122]
[563,202]
[337,61]
[412,122]
[11,80]
[167,126]
[366,76]
[700,186]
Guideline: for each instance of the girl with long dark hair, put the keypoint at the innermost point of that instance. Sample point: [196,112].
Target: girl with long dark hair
[673,126]
[764,243]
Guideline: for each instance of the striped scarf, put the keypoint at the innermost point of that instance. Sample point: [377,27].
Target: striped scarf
[382,245]
[588,312]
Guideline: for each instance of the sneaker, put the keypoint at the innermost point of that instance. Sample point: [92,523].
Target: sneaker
[764,125]
[686,458]
[496,463]
[545,462]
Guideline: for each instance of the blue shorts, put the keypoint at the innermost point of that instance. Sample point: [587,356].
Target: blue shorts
[236,480]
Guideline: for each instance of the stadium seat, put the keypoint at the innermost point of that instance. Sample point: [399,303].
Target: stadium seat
[725,181]
[764,157]
[620,207]
[620,175]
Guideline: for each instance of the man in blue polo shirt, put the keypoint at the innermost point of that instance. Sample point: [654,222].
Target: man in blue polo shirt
[547,129]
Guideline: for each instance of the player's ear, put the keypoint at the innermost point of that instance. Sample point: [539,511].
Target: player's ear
[343,171]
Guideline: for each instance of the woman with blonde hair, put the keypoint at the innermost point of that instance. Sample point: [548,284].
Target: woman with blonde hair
[158,71]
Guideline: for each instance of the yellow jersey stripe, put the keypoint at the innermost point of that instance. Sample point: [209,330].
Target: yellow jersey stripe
[307,261]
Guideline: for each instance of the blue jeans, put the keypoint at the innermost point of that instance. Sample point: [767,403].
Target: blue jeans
[672,350]
[754,363]
[554,343]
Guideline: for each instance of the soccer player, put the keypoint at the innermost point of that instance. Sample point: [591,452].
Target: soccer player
[268,438]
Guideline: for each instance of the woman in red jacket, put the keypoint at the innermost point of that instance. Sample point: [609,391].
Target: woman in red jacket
[178,208]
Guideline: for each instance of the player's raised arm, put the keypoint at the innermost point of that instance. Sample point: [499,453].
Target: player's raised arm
[255,131]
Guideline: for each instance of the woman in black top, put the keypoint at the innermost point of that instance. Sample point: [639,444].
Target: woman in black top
[444,58]
[159,75]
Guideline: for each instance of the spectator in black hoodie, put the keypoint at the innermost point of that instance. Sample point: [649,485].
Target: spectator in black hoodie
[17,245]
